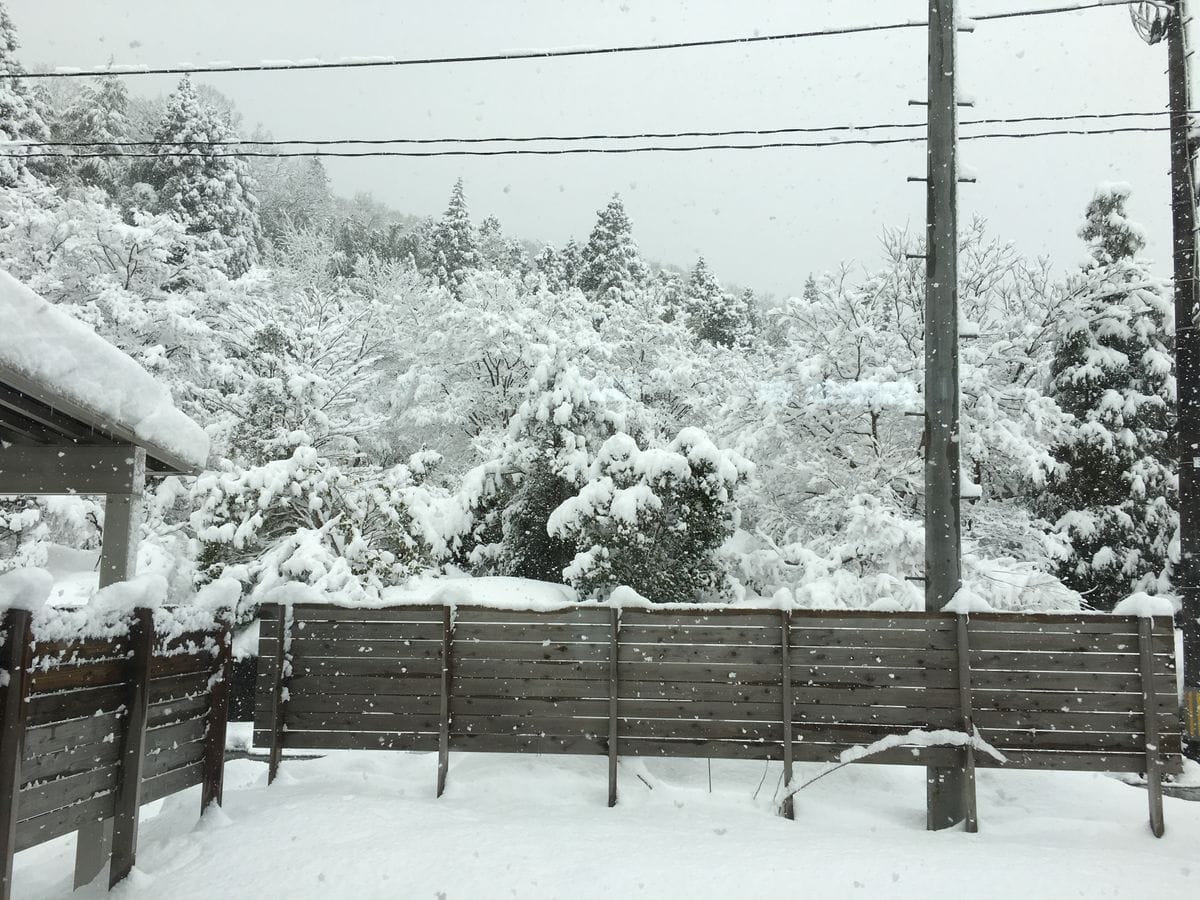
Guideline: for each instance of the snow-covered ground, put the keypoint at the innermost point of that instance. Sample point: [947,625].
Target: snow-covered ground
[364,825]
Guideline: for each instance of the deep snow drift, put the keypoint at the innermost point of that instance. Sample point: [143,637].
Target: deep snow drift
[366,824]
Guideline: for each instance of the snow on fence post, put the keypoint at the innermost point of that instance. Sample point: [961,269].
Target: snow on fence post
[963,644]
[785,618]
[444,706]
[128,794]
[613,693]
[15,662]
[212,786]
[1150,716]
[279,694]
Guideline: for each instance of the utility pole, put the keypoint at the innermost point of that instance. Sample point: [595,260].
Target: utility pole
[1154,21]
[1187,363]
[945,804]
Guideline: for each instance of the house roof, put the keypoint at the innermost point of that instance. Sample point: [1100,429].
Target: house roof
[62,384]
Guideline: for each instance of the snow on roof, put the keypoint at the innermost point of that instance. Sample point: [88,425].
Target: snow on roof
[60,360]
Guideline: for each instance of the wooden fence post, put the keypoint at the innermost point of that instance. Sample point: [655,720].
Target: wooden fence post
[789,806]
[444,709]
[970,805]
[212,789]
[1150,715]
[15,661]
[133,748]
[278,696]
[614,692]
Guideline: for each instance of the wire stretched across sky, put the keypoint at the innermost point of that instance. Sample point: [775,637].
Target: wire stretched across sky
[574,151]
[555,53]
[569,138]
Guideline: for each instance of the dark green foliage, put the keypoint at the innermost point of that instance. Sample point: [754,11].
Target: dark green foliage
[1113,496]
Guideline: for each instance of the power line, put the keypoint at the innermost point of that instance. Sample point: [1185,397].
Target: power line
[484,57]
[268,66]
[572,151]
[646,135]
[1050,11]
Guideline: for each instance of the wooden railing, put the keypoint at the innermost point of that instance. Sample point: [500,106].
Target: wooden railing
[1078,692]
[95,727]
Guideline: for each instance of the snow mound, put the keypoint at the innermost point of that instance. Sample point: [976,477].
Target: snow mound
[1143,604]
[25,589]
[67,359]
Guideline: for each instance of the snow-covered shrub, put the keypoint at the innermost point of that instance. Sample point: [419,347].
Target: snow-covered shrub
[545,459]
[303,519]
[653,519]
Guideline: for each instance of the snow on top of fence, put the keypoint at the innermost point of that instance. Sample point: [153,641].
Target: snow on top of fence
[68,359]
[107,613]
[25,589]
[1143,604]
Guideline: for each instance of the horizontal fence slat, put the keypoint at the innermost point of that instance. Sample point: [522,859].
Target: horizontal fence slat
[383,684]
[64,820]
[526,743]
[168,758]
[664,653]
[873,657]
[70,761]
[881,638]
[359,631]
[52,738]
[709,619]
[381,668]
[91,674]
[383,651]
[303,613]
[540,688]
[577,615]
[172,782]
[37,800]
[357,740]
[1114,663]
[525,706]
[641,635]
[360,721]
[531,669]
[558,632]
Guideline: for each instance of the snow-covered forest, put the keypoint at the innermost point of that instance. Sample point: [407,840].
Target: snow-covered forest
[391,397]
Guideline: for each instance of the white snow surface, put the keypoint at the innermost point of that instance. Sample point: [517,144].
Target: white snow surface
[367,825]
[68,359]
[25,589]
[1142,604]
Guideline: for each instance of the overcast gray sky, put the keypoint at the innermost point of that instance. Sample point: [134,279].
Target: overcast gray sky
[762,218]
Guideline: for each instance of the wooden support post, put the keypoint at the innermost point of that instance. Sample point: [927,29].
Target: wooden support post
[1150,714]
[118,562]
[212,789]
[15,661]
[133,747]
[970,805]
[614,693]
[444,712]
[789,806]
[943,531]
[279,695]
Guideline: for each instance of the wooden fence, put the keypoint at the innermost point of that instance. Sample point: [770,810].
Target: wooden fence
[1078,692]
[95,727]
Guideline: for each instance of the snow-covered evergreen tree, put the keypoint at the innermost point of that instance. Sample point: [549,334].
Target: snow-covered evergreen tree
[713,314]
[455,243]
[1113,497]
[212,194]
[551,444]
[20,118]
[612,267]
[100,116]
[653,519]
